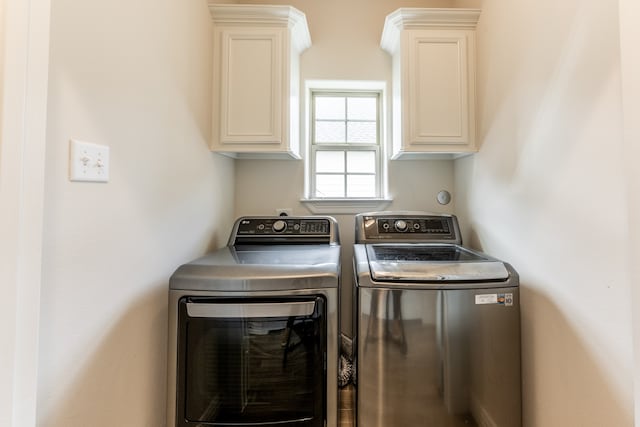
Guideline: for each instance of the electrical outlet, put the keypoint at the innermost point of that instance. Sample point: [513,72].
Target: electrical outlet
[284,211]
[88,162]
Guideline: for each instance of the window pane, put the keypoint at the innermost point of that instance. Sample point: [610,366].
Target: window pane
[361,162]
[330,132]
[362,132]
[330,161]
[361,186]
[330,108]
[345,159]
[329,185]
[362,108]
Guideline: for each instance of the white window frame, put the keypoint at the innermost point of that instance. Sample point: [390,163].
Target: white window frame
[345,204]
[345,147]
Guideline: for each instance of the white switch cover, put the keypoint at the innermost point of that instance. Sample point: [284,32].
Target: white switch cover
[88,162]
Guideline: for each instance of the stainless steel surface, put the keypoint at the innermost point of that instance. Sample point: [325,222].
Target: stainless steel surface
[365,279]
[250,310]
[435,358]
[261,268]
[439,272]
[437,327]
[433,263]
[331,295]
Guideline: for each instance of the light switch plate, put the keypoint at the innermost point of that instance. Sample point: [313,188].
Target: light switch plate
[88,162]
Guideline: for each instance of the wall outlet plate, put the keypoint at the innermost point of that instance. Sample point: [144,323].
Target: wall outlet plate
[284,211]
[88,162]
[443,197]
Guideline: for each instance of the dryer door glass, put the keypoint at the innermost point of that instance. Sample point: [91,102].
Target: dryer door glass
[252,361]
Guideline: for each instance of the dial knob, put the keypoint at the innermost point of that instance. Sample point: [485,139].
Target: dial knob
[401,225]
[279,226]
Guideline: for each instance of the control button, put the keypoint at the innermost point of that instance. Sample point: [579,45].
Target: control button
[260,227]
[279,226]
[401,225]
[416,226]
[385,225]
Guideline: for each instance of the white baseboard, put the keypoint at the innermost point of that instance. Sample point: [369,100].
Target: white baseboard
[480,414]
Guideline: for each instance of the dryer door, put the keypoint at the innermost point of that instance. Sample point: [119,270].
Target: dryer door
[251,361]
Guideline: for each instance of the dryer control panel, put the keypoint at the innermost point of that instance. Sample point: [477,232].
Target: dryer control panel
[283,226]
[284,229]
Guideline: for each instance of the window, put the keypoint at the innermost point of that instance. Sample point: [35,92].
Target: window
[345,159]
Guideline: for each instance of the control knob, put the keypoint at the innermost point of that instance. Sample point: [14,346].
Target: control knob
[279,226]
[401,225]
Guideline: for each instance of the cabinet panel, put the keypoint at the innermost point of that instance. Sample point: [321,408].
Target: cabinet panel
[251,99]
[433,59]
[256,50]
[439,112]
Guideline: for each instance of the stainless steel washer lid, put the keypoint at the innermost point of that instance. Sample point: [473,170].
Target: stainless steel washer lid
[261,267]
[432,263]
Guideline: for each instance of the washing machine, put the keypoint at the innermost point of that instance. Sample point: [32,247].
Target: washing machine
[253,328]
[437,326]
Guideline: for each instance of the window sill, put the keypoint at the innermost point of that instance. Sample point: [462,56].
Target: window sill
[344,206]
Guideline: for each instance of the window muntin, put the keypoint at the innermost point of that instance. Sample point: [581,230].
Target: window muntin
[345,145]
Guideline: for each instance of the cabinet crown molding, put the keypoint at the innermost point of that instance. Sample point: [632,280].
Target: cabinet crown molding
[407,18]
[264,15]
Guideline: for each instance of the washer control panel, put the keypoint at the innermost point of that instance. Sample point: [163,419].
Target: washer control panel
[407,227]
[414,225]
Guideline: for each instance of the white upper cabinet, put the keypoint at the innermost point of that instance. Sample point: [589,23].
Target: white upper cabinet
[256,79]
[433,53]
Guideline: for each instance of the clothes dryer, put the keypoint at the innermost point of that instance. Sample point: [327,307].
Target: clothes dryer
[253,328]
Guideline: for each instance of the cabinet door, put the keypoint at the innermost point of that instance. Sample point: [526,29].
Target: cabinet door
[251,87]
[439,89]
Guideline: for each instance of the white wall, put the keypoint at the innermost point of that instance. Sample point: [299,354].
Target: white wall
[24,53]
[473,4]
[547,193]
[345,46]
[135,76]
[630,61]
